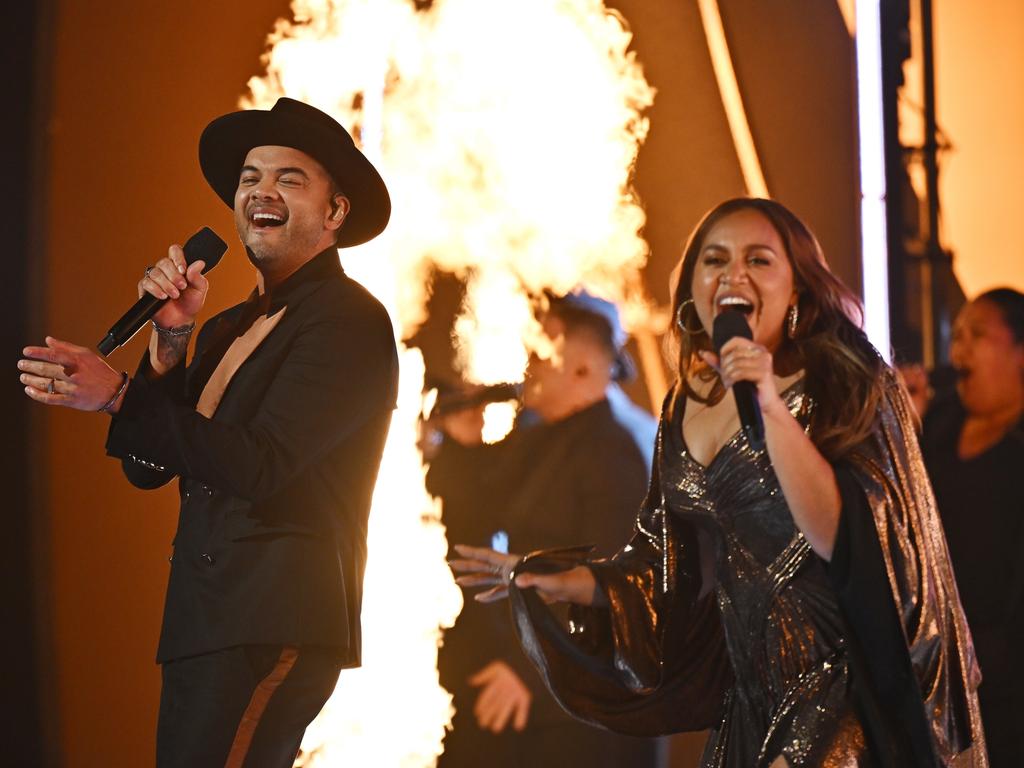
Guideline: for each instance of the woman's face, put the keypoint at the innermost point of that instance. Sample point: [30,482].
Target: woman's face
[989,362]
[743,265]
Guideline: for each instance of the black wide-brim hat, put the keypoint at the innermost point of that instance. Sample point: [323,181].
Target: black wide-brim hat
[226,141]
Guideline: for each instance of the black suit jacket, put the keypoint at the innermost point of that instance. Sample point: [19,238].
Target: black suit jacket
[275,487]
[576,481]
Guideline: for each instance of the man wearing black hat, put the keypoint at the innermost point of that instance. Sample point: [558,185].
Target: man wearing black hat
[575,476]
[275,431]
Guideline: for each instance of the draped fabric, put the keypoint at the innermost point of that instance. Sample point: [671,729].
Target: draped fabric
[720,616]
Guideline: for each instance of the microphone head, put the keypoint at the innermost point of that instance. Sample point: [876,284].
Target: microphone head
[728,324]
[205,245]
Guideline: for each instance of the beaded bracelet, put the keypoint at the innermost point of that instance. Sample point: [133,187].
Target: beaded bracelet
[120,391]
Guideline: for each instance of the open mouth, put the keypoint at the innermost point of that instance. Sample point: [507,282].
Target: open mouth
[735,304]
[266,220]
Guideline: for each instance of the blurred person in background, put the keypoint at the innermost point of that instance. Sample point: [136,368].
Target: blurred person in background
[569,472]
[973,444]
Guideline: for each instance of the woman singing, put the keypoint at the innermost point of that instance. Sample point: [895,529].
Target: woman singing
[797,599]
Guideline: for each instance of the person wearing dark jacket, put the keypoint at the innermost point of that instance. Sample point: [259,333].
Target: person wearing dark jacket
[973,446]
[274,430]
[572,475]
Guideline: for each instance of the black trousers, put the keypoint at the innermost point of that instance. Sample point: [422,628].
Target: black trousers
[241,707]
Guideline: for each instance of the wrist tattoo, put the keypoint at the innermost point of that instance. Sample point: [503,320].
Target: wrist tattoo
[170,350]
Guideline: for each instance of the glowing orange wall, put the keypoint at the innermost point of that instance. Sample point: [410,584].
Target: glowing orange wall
[979,70]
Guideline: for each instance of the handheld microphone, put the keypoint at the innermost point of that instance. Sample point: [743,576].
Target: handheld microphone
[203,245]
[728,325]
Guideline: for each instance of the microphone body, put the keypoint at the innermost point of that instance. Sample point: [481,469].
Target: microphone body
[203,245]
[728,325]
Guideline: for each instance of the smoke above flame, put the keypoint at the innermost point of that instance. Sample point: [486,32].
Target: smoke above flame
[506,132]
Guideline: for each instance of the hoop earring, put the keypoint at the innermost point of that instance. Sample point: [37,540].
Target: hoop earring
[792,318]
[681,321]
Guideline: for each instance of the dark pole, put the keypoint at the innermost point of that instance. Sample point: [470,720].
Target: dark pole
[941,293]
[903,317]
[933,253]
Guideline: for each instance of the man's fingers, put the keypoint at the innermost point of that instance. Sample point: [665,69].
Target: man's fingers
[44,384]
[164,276]
[483,708]
[150,285]
[482,676]
[492,709]
[45,397]
[195,273]
[38,353]
[39,368]
[520,717]
[177,257]
[502,714]
[57,352]
[65,349]
[43,353]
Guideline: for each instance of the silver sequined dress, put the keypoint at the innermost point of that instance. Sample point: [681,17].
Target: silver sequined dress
[783,629]
[720,616]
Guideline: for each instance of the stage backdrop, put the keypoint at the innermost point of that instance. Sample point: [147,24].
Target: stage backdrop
[132,86]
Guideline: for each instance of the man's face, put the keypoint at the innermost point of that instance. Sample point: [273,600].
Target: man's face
[284,209]
[548,379]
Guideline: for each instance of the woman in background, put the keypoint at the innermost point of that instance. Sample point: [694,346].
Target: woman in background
[973,444]
[795,599]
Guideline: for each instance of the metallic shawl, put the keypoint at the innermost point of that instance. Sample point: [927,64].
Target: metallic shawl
[654,661]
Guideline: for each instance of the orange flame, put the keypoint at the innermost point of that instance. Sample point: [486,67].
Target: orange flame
[506,133]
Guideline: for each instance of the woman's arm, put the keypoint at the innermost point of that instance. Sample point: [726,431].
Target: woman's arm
[807,479]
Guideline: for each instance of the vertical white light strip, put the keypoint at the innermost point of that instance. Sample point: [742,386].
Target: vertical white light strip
[874,249]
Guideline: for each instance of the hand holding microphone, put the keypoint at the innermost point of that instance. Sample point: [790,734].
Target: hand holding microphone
[741,363]
[180,286]
[172,291]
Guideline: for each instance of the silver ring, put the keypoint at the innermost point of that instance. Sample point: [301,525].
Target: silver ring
[51,388]
[148,270]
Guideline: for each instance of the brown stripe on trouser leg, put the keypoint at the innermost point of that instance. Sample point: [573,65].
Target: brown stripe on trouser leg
[258,705]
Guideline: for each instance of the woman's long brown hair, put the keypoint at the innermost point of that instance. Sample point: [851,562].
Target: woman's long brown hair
[843,370]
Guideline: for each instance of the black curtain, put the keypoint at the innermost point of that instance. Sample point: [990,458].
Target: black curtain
[29,721]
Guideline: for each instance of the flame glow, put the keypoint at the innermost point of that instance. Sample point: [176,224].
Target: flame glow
[506,133]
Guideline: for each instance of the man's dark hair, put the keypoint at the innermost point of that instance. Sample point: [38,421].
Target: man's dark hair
[581,321]
[578,319]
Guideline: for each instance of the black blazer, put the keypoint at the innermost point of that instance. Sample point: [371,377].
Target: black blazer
[571,482]
[275,487]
